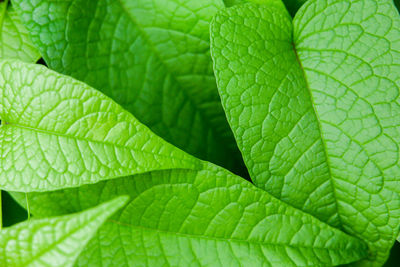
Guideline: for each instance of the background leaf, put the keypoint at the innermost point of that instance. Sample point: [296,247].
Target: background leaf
[315,115]
[55,241]
[152,57]
[12,212]
[207,217]
[57,132]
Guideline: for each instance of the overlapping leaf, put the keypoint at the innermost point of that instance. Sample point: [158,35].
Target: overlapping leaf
[57,132]
[53,241]
[314,108]
[200,218]
[14,39]
[152,57]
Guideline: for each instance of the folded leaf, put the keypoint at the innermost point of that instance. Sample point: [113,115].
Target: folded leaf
[152,57]
[314,108]
[200,218]
[53,241]
[14,39]
[57,132]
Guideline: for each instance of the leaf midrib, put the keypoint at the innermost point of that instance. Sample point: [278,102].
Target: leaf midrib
[318,120]
[217,134]
[61,240]
[52,246]
[260,243]
[47,132]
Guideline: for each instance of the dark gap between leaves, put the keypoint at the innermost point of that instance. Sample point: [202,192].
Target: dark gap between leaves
[40,61]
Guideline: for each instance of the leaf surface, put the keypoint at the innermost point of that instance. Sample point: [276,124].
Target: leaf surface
[53,241]
[14,38]
[152,57]
[200,218]
[57,132]
[314,108]
[291,5]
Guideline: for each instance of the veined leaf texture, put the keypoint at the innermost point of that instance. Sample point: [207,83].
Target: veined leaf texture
[305,92]
[152,57]
[315,112]
[56,241]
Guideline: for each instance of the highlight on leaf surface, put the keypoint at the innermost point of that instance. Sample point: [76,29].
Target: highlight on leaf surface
[58,132]
[152,57]
[54,241]
[314,107]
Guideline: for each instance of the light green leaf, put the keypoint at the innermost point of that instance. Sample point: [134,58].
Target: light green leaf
[53,241]
[57,132]
[200,218]
[316,115]
[152,57]
[14,39]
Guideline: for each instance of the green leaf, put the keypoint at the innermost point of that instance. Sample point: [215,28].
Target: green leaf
[152,57]
[14,39]
[57,132]
[291,5]
[200,218]
[12,212]
[314,108]
[53,241]
[230,3]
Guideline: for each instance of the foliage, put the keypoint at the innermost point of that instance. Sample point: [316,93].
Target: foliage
[306,107]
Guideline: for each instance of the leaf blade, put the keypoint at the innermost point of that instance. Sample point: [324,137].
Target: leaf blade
[277,122]
[68,134]
[220,217]
[14,38]
[159,69]
[53,237]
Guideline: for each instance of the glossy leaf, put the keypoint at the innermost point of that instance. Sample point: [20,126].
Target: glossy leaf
[53,241]
[57,132]
[314,108]
[14,39]
[152,57]
[200,218]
